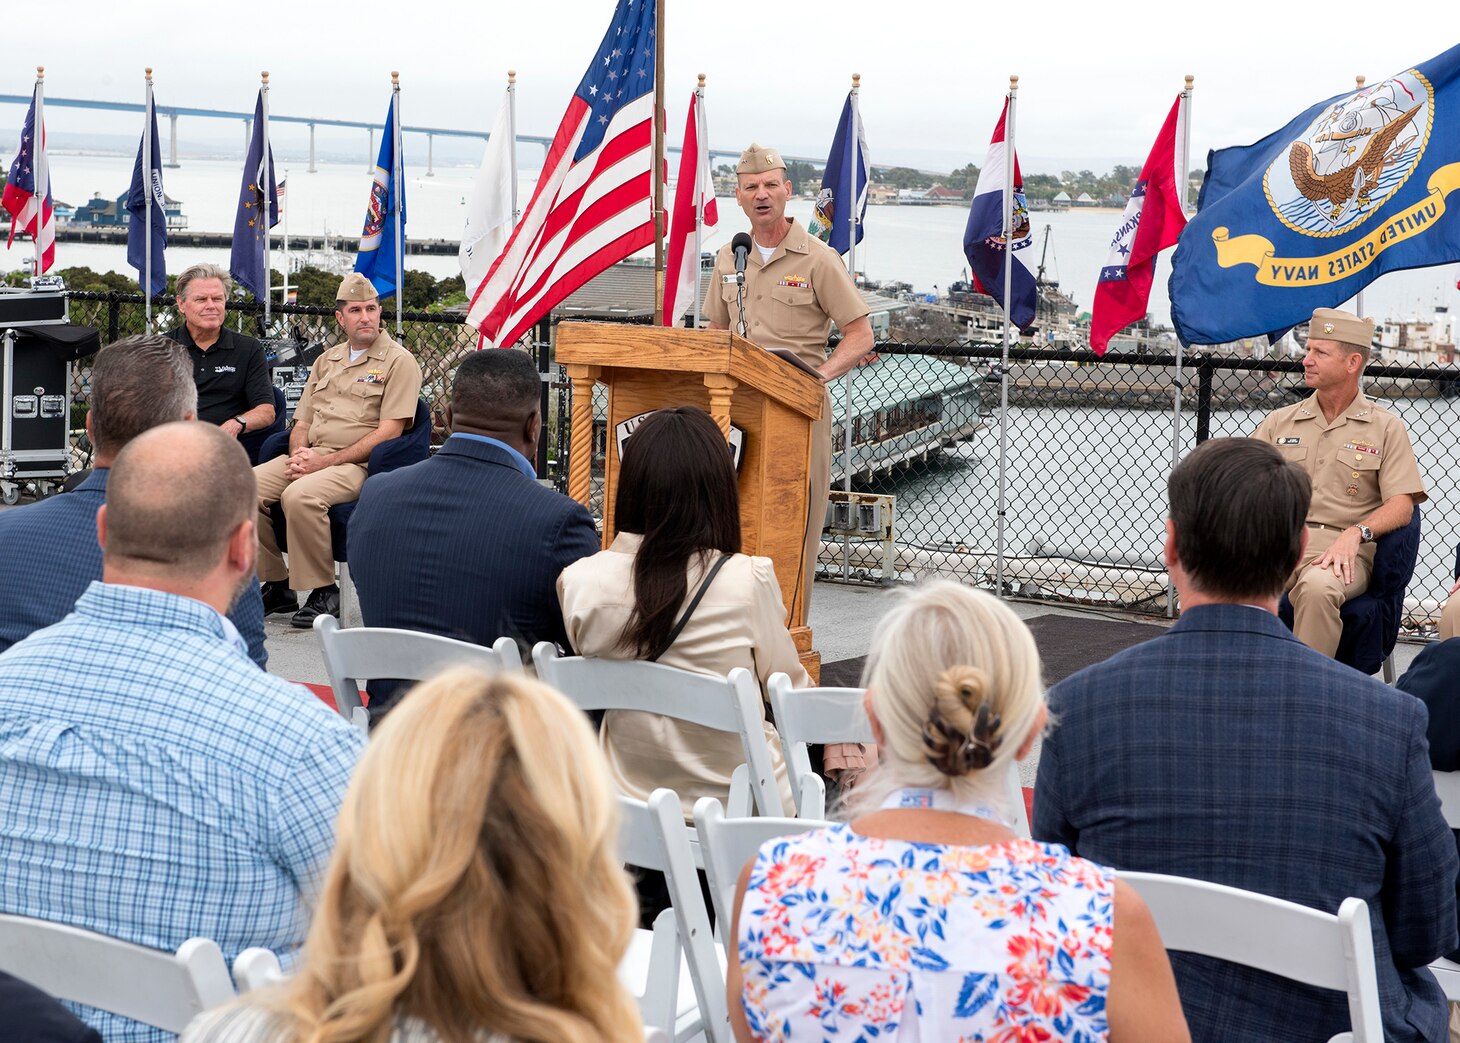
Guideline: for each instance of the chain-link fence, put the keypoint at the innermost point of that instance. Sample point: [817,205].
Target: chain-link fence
[1082,458]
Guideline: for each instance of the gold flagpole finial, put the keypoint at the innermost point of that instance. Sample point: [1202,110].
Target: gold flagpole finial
[394,78]
[1359,82]
[856,80]
[40,72]
[265,77]
[702,81]
[511,76]
[1189,81]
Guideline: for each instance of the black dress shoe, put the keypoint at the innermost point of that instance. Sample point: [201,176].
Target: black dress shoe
[278,597]
[322,601]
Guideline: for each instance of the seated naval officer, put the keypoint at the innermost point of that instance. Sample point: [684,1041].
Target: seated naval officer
[1365,478]
[48,550]
[359,393]
[230,370]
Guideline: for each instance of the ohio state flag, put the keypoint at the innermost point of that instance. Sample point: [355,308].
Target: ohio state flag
[1152,221]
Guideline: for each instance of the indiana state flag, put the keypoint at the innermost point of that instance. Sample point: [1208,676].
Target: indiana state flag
[258,211]
[376,259]
[1356,186]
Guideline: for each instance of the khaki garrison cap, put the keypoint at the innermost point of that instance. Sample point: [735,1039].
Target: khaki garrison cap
[757,160]
[1332,324]
[355,287]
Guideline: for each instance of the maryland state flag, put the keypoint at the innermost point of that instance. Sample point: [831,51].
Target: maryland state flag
[1357,186]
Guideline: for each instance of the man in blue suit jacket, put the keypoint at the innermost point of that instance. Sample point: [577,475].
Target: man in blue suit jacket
[467,544]
[48,550]
[1226,750]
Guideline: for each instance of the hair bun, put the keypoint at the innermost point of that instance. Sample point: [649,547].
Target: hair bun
[961,733]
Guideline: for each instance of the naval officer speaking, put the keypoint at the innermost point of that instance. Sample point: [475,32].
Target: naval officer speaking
[795,288]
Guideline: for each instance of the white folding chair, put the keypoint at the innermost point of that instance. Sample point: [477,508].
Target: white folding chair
[822,715]
[727,704]
[256,969]
[1272,935]
[356,654]
[729,843]
[1447,788]
[162,989]
[665,967]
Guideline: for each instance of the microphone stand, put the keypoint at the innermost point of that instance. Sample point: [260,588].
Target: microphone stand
[740,301]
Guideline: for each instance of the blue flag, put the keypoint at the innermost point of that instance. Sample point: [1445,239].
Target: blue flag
[1356,186]
[376,260]
[251,226]
[137,230]
[838,189]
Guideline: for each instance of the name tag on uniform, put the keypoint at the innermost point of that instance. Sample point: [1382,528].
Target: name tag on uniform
[1289,441]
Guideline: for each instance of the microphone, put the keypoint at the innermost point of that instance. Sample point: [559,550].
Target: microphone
[741,245]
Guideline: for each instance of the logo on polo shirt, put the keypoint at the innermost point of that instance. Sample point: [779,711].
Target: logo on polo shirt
[225,369]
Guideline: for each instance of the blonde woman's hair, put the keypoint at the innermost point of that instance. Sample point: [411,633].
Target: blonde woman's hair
[955,682]
[476,883]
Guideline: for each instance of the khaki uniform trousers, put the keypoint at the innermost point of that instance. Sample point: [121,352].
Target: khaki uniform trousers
[307,502]
[819,479]
[1318,594]
[1450,619]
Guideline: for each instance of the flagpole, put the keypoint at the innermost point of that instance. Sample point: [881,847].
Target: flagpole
[1004,359]
[284,290]
[397,175]
[659,121]
[702,153]
[264,213]
[512,140]
[147,194]
[851,204]
[1181,173]
[1359,297]
[42,166]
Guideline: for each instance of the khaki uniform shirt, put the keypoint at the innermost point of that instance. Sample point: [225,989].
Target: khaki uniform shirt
[1356,463]
[790,300]
[344,401]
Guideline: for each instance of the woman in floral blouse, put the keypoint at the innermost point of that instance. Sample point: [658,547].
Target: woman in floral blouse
[925,917]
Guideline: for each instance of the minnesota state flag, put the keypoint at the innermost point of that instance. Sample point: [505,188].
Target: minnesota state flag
[1358,185]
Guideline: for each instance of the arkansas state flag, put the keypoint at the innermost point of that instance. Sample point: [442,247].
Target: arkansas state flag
[983,239]
[1152,221]
[694,205]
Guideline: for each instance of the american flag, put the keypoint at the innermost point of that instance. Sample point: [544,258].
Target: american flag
[24,202]
[593,203]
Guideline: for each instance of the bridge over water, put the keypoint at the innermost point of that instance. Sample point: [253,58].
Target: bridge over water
[174,112]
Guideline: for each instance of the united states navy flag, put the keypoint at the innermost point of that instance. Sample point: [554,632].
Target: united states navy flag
[148,182]
[1356,186]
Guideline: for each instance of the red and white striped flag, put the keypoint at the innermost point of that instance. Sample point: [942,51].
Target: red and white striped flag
[694,207]
[28,189]
[593,204]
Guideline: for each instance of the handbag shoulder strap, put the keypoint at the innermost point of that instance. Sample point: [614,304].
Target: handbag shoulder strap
[689,609]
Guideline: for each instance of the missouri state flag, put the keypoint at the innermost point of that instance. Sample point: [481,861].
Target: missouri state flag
[1355,186]
[984,242]
[1152,221]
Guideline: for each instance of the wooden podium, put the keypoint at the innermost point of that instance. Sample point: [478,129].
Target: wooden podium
[772,402]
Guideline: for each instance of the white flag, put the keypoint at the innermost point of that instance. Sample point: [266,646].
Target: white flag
[489,204]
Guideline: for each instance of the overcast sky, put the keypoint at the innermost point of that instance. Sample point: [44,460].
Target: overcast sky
[1096,78]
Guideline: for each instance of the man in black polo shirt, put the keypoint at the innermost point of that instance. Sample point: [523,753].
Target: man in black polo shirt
[229,368]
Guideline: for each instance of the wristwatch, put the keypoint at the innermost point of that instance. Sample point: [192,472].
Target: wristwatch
[1366,534]
[241,423]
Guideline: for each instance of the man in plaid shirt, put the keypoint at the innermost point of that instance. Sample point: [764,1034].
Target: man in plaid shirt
[157,785]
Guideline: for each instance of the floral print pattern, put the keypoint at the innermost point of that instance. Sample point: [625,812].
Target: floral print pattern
[858,939]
